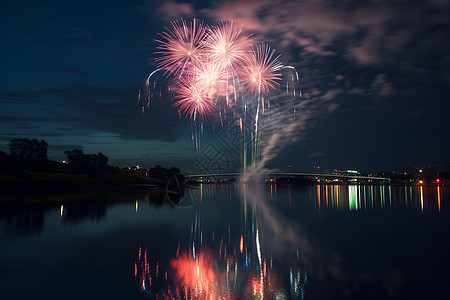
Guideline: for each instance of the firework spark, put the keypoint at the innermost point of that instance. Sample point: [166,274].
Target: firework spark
[262,70]
[227,46]
[181,47]
[208,61]
[193,99]
[211,76]
[209,64]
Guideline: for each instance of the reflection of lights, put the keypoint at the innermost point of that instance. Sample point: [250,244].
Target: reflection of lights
[197,275]
[297,284]
[202,278]
[406,195]
[360,197]
[142,270]
[371,193]
[61,211]
[258,248]
[439,198]
[257,285]
[352,197]
[421,197]
[336,189]
[318,195]
[241,244]
[233,270]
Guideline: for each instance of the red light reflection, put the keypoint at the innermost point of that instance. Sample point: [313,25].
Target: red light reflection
[241,244]
[205,277]
[197,276]
[439,198]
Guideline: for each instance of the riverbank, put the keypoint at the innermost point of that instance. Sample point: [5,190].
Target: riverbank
[36,181]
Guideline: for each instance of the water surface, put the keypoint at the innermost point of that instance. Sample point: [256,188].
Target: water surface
[228,241]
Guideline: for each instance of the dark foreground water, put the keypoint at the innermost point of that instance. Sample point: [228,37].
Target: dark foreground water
[228,242]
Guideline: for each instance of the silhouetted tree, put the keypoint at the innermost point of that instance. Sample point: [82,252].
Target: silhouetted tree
[29,149]
[157,172]
[3,159]
[87,162]
[174,170]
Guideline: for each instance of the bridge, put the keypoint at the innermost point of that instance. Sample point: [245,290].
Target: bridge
[175,187]
[282,174]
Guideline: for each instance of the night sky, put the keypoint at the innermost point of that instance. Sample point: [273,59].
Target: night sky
[377,73]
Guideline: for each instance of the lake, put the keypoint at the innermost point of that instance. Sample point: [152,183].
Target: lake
[230,241]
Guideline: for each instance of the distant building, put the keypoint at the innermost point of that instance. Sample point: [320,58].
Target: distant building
[424,173]
[403,177]
[346,172]
[136,170]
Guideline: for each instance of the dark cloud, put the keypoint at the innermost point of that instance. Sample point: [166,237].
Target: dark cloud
[61,148]
[71,72]
[11,95]
[172,9]
[107,109]
[367,33]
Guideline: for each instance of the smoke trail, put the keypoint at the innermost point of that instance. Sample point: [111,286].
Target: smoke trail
[281,129]
[286,234]
[284,123]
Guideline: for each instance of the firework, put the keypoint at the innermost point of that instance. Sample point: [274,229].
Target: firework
[227,46]
[211,76]
[207,65]
[209,62]
[193,99]
[181,47]
[262,70]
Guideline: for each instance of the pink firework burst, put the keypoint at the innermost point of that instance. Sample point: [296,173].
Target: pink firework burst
[181,47]
[211,76]
[262,70]
[194,99]
[227,46]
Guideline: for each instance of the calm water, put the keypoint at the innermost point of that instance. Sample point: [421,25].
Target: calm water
[228,241]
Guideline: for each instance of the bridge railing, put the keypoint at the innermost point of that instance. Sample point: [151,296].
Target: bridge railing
[316,175]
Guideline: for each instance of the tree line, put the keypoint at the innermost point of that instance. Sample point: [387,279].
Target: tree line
[31,155]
